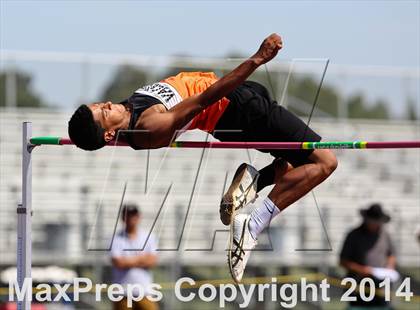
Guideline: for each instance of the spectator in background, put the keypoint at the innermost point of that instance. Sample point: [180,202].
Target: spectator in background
[418,234]
[131,264]
[368,252]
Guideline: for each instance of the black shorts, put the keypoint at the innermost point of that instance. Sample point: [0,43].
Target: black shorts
[254,116]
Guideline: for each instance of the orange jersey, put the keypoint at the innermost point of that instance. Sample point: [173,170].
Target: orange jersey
[188,84]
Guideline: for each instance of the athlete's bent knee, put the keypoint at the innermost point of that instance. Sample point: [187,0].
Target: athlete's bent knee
[330,162]
[326,160]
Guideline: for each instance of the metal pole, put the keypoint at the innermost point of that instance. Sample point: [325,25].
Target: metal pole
[24,213]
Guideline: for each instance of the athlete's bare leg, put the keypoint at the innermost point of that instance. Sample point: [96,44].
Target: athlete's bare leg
[290,185]
[294,183]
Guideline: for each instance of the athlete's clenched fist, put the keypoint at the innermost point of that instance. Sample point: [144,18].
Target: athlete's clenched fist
[268,49]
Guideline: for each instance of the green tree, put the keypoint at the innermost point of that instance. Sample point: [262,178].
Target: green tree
[411,112]
[378,111]
[125,81]
[355,106]
[25,95]
[359,108]
[306,88]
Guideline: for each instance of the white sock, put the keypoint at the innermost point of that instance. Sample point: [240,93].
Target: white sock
[262,216]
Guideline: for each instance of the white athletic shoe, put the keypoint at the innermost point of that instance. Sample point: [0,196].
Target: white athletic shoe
[241,244]
[241,192]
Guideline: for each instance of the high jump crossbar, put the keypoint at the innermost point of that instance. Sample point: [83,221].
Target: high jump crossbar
[24,210]
[255,145]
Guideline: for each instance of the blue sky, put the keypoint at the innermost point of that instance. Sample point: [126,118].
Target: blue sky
[346,32]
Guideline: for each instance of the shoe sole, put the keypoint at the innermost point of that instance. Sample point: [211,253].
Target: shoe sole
[236,195]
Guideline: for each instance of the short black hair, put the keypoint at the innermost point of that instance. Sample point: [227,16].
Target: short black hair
[129,210]
[84,132]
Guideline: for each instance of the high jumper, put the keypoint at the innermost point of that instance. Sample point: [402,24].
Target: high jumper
[231,109]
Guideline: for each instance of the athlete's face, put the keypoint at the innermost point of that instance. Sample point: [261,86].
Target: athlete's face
[110,116]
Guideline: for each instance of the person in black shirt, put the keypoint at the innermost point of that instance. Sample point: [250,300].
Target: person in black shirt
[368,252]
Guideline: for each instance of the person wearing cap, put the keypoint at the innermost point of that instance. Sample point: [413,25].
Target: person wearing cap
[368,253]
[133,255]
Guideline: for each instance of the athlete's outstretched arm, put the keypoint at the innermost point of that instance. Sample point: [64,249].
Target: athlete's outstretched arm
[267,51]
[162,126]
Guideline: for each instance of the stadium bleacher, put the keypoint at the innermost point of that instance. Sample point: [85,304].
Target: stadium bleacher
[76,195]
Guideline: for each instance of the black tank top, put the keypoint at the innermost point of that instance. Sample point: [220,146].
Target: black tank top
[136,104]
